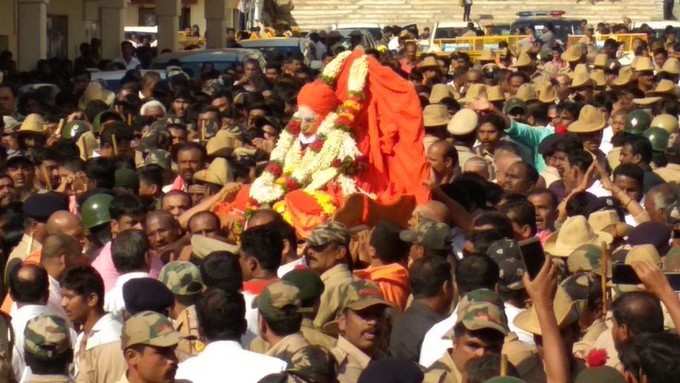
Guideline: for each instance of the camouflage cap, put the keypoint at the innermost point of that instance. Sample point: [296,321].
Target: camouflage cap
[313,364]
[149,328]
[182,278]
[279,300]
[481,309]
[363,294]
[310,284]
[585,258]
[158,157]
[332,231]
[577,287]
[47,336]
[429,234]
[507,254]
[601,374]
[155,136]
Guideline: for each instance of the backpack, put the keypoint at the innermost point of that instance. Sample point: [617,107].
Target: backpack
[6,347]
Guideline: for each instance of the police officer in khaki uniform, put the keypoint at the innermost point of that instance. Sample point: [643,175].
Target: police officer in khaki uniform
[362,328]
[183,279]
[478,312]
[327,254]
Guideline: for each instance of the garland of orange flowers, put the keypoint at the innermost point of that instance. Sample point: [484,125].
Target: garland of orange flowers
[332,156]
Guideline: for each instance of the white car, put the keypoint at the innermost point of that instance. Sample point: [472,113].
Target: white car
[658,26]
[346,28]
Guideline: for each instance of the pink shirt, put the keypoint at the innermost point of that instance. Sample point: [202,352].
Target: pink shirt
[104,265]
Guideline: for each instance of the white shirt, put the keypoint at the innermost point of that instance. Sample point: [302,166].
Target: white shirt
[524,336]
[434,345]
[251,319]
[133,64]
[606,145]
[597,190]
[114,302]
[20,318]
[290,266]
[226,360]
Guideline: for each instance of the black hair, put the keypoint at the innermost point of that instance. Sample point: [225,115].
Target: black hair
[32,288]
[388,247]
[579,204]
[288,324]
[581,159]
[221,269]
[56,365]
[639,311]
[286,231]
[544,191]
[428,275]
[126,204]
[476,272]
[479,370]
[654,355]
[566,144]
[499,221]
[41,155]
[640,145]
[631,171]
[221,314]
[521,212]
[85,280]
[488,334]
[494,119]
[100,170]
[128,251]
[264,243]
[187,146]
[152,175]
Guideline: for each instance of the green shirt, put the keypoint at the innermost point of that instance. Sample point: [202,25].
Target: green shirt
[531,137]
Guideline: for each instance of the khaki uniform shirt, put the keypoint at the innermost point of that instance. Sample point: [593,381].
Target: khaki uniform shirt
[336,281]
[443,371]
[669,173]
[311,334]
[350,361]
[464,154]
[585,344]
[287,347]
[187,326]
[101,364]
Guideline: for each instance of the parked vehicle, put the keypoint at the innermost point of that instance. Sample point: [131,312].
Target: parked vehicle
[192,62]
[279,48]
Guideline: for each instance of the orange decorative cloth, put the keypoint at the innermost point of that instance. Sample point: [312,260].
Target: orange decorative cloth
[389,132]
[393,281]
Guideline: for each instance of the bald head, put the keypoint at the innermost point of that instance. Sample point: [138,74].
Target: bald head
[205,223]
[63,222]
[502,161]
[262,217]
[56,245]
[434,211]
[636,313]
[477,165]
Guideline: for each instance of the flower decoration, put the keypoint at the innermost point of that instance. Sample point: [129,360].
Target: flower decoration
[596,357]
[332,156]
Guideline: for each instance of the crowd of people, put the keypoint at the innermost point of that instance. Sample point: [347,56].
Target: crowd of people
[125,260]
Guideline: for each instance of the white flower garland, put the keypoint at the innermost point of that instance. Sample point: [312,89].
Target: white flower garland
[314,168]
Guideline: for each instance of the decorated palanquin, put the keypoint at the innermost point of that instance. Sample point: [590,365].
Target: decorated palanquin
[353,151]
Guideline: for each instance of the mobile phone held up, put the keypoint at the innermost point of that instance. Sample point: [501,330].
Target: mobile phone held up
[623,274]
[532,256]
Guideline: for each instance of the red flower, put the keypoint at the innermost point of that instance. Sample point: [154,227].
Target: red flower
[275,169]
[317,145]
[252,202]
[291,184]
[336,163]
[343,121]
[294,127]
[596,357]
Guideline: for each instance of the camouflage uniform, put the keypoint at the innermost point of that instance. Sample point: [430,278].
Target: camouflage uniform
[184,279]
[351,361]
[429,234]
[336,279]
[479,309]
[47,337]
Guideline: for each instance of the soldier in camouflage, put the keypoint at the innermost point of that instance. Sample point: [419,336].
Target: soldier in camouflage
[280,316]
[144,331]
[327,254]
[184,280]
[47,349]
[480,328]
[428,238]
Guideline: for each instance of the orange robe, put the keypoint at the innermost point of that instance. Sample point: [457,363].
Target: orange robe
[393,281]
